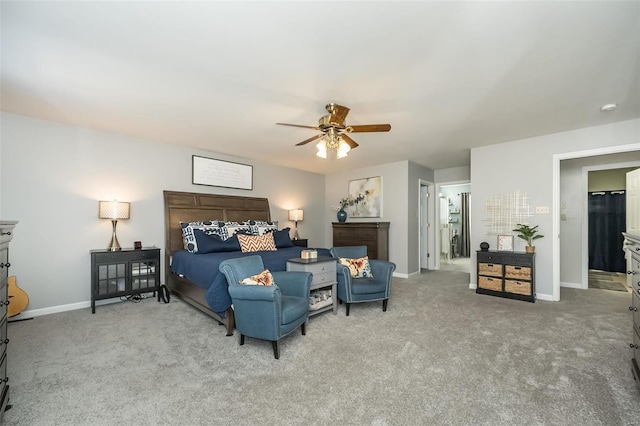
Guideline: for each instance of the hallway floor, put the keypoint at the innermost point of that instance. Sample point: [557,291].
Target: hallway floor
[616,281]
[458,264]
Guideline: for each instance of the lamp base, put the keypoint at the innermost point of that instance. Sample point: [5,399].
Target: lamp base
[114,245]
[296,236]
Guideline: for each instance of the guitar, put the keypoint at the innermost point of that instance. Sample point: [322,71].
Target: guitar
[18,298]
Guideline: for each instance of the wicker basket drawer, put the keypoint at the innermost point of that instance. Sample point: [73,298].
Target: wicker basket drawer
[489,283]
[517,272]
[517,287]
[491,269]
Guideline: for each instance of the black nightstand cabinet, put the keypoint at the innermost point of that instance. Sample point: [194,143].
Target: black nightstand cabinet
[123,273]
[301,242]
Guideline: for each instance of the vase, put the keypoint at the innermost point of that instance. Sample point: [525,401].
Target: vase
[342,215]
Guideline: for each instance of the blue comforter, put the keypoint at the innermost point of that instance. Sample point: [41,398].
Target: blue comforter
[202,270]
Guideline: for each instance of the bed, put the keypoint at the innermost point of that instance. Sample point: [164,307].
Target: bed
[194,278]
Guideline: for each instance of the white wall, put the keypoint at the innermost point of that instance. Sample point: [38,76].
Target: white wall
[399,204]
[527,165]
[53,175]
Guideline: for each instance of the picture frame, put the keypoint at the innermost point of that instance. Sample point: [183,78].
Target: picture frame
[368,193]
[225,174]
[505,242]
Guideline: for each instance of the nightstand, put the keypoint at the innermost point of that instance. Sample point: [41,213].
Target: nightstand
[301,242]
[323,269]
[123,273]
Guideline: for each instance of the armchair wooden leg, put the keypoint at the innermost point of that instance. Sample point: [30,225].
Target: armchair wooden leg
[348,304]
[304,328]
[276,349]
[241,339]
[384,305]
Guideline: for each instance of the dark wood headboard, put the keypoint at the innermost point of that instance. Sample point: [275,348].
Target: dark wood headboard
[192,207]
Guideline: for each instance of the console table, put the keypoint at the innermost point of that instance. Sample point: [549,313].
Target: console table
[506,274]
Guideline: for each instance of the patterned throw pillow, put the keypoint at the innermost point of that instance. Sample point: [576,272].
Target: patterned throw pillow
[359,268]
[263,278]
[259,227]
[209,227]
[233,228]
[251,243]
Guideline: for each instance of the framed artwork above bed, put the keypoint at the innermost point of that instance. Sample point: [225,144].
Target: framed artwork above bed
[212,172]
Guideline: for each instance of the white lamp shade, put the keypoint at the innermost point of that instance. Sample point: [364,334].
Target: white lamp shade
[296,215]
[114,210]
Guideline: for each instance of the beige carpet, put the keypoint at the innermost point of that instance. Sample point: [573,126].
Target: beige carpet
[441,354]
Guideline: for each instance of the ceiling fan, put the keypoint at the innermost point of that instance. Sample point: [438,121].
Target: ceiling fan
[334,131]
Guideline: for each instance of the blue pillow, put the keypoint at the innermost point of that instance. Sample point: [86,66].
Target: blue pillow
[214,244]
[282,238]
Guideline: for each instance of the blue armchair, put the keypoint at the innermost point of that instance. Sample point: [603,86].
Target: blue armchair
[356,290]
[267,312]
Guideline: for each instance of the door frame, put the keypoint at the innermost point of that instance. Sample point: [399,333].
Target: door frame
[436,222]
[585,211]
[555,209]
[429,246]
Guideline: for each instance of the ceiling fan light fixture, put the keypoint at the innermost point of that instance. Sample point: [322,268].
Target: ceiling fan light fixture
[322,150]
[343,149]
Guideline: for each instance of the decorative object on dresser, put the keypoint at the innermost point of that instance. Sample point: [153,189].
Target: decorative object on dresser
[484,246]
[529,234]
[505,243]
[114,210]
[128,272]
[323,290]
[375,235]
[296,215]
[632,246]
[509,275]
[6,234]
[267,312]
[357,289]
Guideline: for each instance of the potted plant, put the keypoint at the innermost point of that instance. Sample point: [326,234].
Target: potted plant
[528,234]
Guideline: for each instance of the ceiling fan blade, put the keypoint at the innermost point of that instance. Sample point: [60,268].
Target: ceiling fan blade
[300,125]
[338,113]
[352,144]
[369,128]
[311,139]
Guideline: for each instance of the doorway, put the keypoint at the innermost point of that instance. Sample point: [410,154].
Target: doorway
[453,227]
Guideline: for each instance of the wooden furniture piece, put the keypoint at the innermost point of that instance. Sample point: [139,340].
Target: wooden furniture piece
[6,234]
[374,235]
[192,207]
[125,272]
[632,245]
[506,274]
[323,269]
[301,242]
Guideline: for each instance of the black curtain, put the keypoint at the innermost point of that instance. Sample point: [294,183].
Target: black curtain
[607,222]
[465,242]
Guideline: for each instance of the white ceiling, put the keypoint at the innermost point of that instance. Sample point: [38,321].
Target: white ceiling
[448,76]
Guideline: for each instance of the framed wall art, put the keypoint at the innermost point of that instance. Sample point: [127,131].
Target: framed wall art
[212,172]
[505,242]
[367,197]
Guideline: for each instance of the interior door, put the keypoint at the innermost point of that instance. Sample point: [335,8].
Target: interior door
[424,227]
[633,202]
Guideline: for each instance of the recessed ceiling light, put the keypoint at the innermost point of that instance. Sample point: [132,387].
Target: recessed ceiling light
[608,107]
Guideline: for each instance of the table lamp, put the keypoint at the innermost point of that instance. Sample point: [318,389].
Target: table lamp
[114,210]
[296,215]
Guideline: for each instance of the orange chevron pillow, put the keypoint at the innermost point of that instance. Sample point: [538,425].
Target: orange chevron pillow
[251,243]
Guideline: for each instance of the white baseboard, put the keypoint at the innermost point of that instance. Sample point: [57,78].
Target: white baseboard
[571,285]
[547,297]
[63,308]
[399,275]
[473,286]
